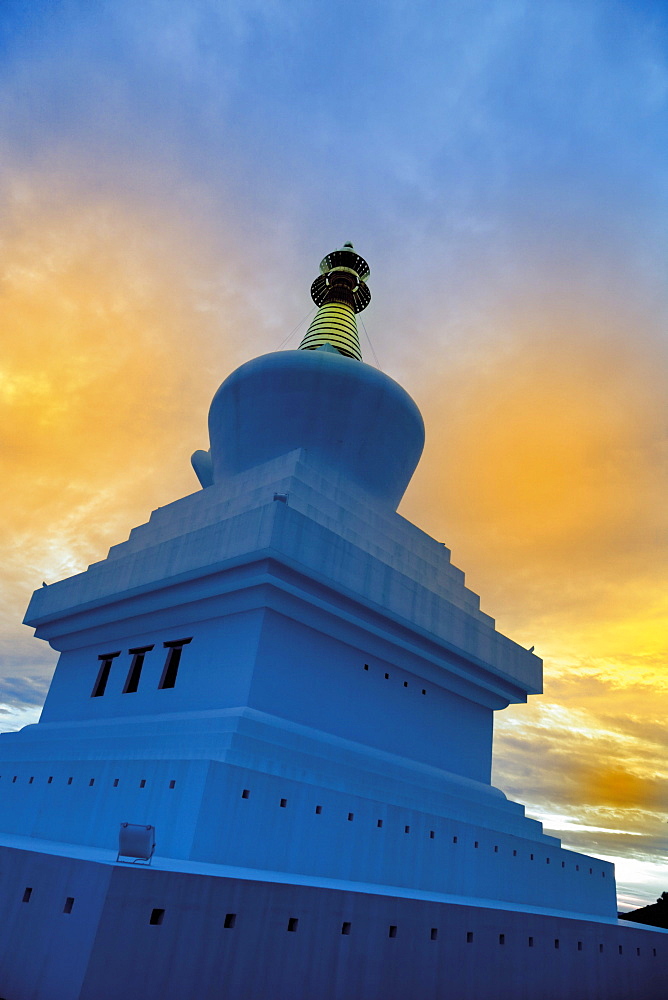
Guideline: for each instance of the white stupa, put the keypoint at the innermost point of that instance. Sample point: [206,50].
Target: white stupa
[290,689]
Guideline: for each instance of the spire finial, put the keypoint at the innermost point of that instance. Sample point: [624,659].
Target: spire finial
[340,291]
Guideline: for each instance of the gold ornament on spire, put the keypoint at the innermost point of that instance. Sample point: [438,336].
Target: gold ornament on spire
[340,291]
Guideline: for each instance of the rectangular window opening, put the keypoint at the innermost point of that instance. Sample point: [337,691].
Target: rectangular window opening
[653,951]
[283,803]
[405,684]
[366,666]
[100,685]
[475,843]
[318,810]
[407,829]
[600,947]
[30,780]
[157,916]
[502,938]
[49,779]
[531,942]
[433,934]
[168,679]
[345,927]
[496,848]
[531,857]
[393,930]
[579,945]
[514,854]
[431,834]
[134,673]
[351,817]
[469,937]
[27,893]
[70,780]
[379,823]
[423,691]
[547,861]
[621,950]
[171,668]
[69,903]
[142,783]
[92,781]
[172,784]
[638,952]
[454,840]
[230,920]
[293,923]
[245,793]
[556,942]
[563,864]
[116,780]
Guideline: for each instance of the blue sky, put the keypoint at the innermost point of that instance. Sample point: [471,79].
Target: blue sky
[172,172]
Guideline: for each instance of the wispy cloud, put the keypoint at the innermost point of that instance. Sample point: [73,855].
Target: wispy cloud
[24,690]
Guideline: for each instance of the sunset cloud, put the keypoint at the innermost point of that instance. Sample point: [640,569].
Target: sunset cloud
[100,406]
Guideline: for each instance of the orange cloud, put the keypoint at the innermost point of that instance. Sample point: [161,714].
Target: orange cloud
[545,472]
[614,786]
[117,329]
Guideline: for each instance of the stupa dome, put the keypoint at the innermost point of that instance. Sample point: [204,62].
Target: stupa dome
[348,416]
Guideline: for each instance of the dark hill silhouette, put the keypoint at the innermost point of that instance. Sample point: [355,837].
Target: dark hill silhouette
[656,914]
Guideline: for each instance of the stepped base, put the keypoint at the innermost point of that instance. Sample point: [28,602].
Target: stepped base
[193,930]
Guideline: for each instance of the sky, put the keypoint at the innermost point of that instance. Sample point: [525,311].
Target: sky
[172,172]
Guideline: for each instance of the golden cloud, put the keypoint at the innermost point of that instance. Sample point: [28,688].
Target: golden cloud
[116,328]
[544,471]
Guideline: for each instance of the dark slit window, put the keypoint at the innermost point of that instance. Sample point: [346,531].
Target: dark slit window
[132,682]
[103,674]
[174,649]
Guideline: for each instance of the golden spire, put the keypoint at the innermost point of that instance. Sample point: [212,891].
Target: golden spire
[340,291]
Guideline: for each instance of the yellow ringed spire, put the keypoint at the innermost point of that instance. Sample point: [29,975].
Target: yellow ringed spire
[340,291]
